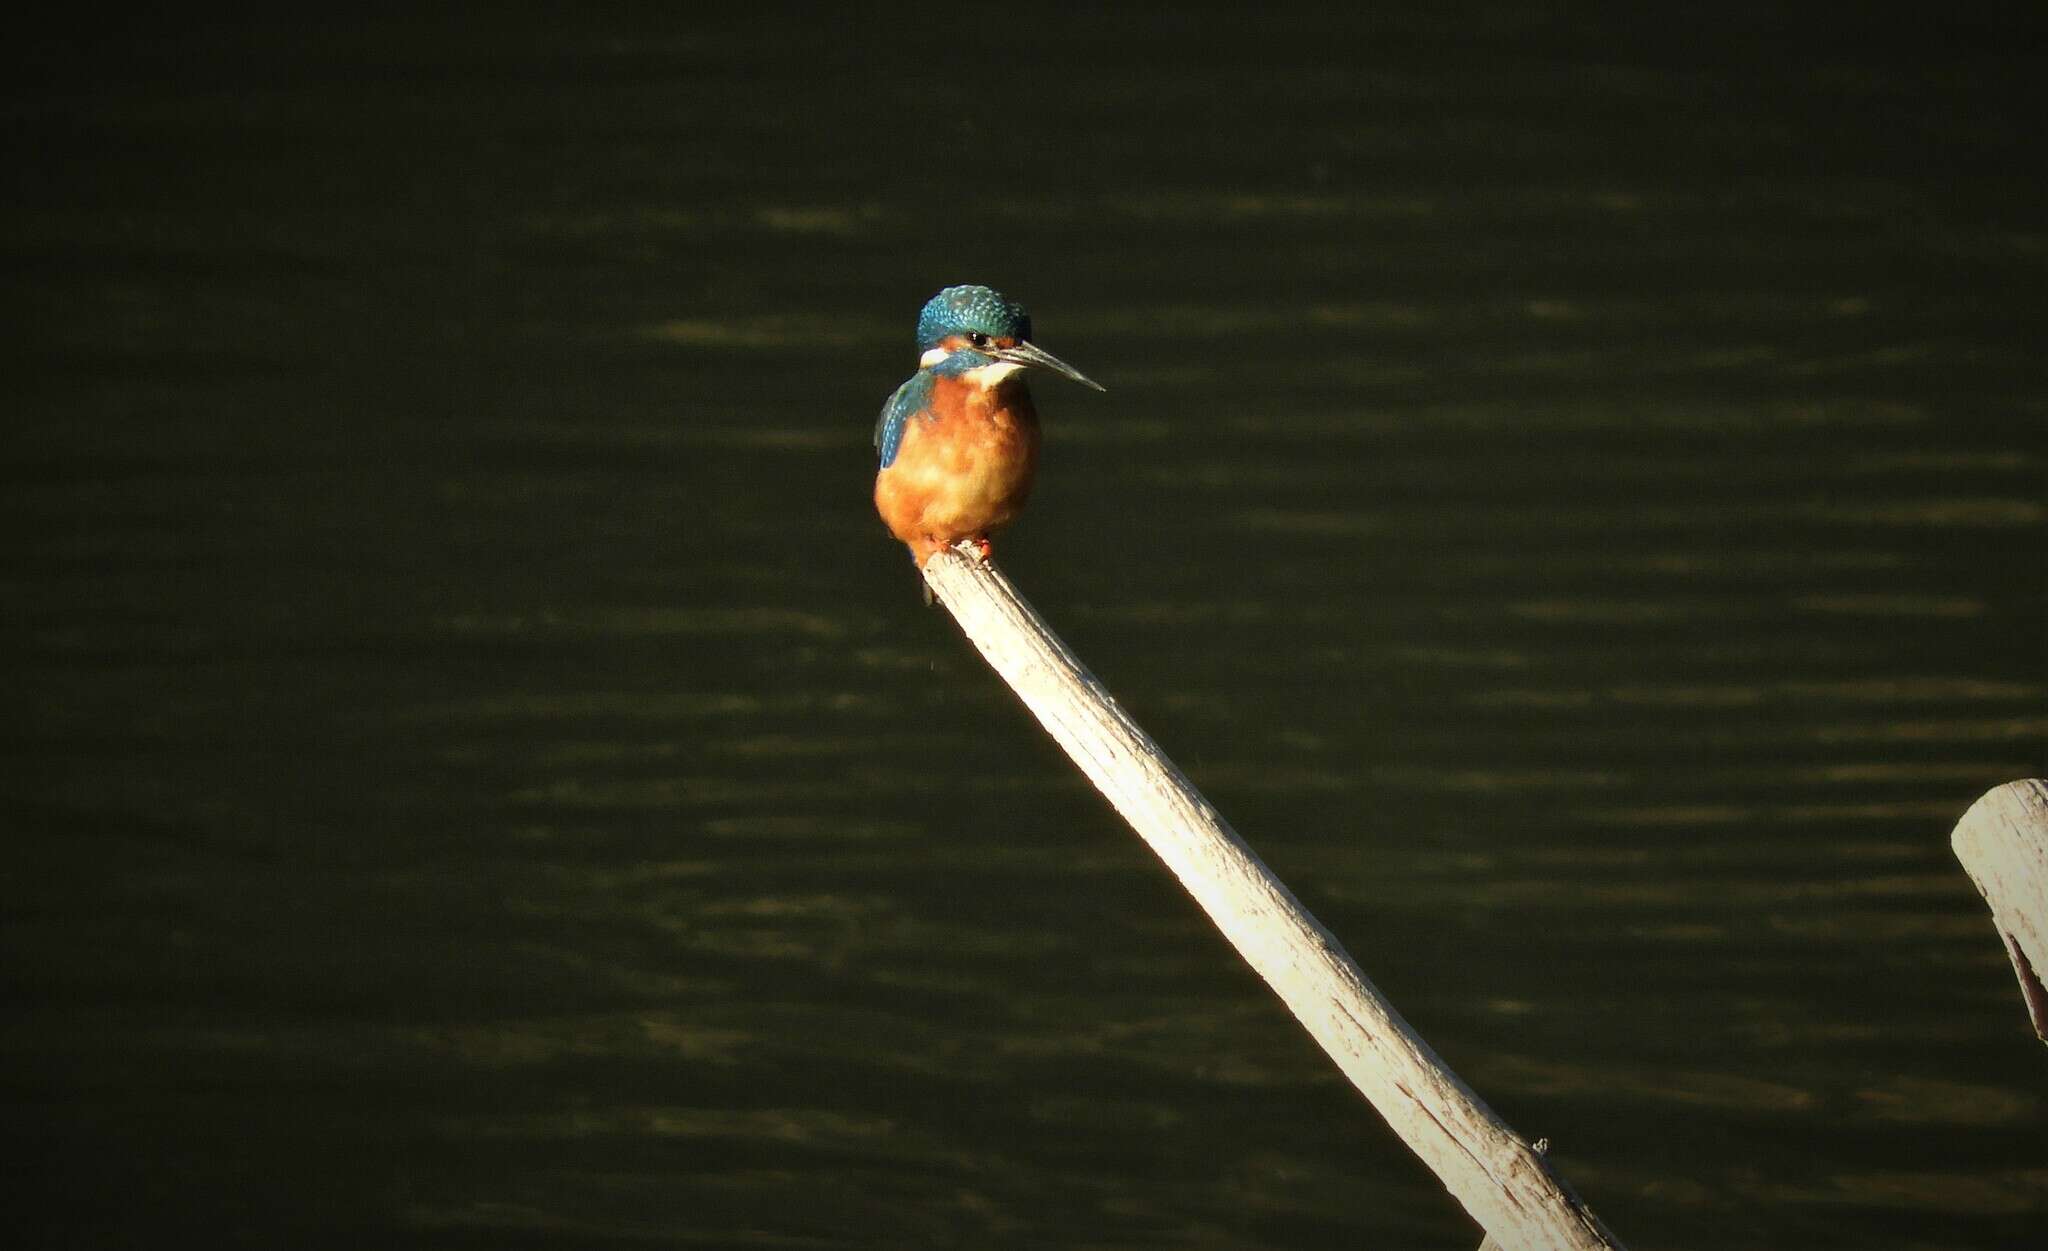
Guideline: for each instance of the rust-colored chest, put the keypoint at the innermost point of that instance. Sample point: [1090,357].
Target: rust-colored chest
[965,465]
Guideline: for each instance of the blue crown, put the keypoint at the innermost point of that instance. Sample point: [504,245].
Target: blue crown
[964,310]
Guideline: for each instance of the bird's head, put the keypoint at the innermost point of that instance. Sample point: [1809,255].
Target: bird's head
[964,329]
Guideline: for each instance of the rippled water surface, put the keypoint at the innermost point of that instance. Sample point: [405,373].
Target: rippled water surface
[1571,491]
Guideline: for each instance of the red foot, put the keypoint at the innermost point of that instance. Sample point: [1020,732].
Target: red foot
[923,549]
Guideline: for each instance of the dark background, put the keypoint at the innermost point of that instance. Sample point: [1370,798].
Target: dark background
[1571,490]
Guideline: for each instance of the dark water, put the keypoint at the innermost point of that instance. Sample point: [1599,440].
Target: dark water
[1571,489]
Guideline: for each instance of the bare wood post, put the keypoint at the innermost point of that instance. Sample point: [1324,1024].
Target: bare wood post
[1504,1183]
[2003,844]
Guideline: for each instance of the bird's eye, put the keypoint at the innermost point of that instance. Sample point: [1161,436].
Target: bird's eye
[978,339]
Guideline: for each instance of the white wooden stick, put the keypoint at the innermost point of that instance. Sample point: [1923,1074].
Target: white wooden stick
[1501,1180]
[2003,844]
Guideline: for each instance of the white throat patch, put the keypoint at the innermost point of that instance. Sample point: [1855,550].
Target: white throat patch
[984,377]
[989,375]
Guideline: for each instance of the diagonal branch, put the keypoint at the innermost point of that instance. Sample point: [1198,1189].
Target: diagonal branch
[1505,1184]
[2003,844]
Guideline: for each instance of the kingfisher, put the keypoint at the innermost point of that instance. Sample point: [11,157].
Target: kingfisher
[958,441]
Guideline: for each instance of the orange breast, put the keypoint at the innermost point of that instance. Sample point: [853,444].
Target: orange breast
[964,469]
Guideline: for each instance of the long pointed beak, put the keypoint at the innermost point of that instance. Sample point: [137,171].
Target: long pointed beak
[1032,354]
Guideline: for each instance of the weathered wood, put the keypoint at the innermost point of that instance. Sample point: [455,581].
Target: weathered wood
[1505,1184]
[2003,844]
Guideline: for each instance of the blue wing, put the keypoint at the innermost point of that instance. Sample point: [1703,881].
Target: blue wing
[912,398]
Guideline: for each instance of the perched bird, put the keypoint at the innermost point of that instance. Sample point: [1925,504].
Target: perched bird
[959,440]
